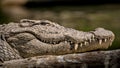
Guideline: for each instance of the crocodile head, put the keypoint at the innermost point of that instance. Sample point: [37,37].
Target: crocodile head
[41,37]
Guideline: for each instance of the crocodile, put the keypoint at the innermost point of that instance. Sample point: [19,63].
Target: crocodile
[30,38]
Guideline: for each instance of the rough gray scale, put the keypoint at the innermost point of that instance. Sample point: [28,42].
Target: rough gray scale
[42,37]
[6,52]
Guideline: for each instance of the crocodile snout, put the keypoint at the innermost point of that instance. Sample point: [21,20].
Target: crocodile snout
[100,38]
[102,33]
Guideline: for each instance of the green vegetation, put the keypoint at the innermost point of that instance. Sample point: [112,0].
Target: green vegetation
[83,18]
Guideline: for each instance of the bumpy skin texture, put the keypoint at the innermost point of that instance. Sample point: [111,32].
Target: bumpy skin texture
[42,37]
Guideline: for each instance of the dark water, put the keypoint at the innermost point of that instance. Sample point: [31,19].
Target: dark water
[83,18]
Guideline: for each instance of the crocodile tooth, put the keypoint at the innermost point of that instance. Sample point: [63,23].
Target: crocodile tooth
[105,40]
[76,46]
[85,42]
[100,41]
[71,42]
[81,45]
[53,42]
[65,41]
[93,36]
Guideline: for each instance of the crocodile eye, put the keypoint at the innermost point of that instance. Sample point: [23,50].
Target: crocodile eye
[44,23]
[24,20]
[27,21]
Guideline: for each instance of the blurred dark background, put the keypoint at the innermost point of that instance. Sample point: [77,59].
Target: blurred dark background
[82,15]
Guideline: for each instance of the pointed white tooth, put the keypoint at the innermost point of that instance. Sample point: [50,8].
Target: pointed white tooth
[85,42]
[76,46]
[71,42]
[53,42]
[93,36]
[100,41]
[105,40]
[81,45]
[65,41]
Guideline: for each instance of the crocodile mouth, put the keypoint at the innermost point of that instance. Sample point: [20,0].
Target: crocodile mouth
[94,40]
[97,39]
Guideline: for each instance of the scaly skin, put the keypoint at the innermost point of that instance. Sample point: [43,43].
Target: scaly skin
[42,37]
